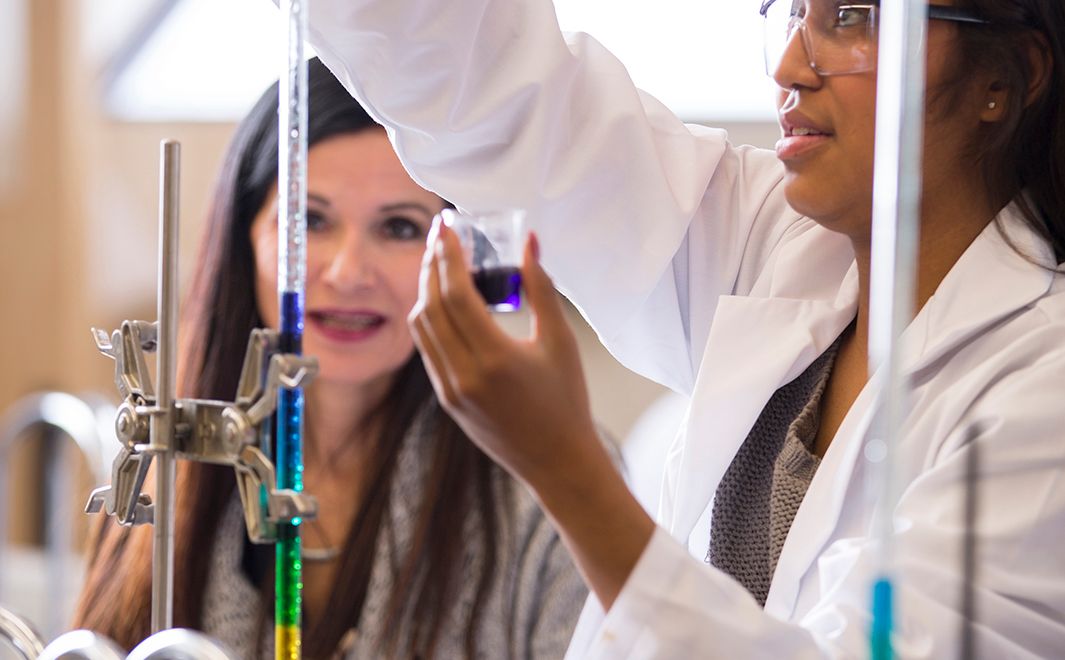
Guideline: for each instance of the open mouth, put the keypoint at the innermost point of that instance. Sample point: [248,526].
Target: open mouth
[800,131]
[800,137]
[346,324]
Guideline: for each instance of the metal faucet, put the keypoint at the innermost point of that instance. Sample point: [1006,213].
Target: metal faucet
[179,644]
[81,644]
[18,632]
[170,644]
[81,421]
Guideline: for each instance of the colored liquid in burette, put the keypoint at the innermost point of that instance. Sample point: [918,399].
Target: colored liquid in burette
[500,287]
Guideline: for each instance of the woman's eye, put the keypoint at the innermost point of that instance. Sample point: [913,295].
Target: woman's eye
[849,17]
[402,229]
[316,221]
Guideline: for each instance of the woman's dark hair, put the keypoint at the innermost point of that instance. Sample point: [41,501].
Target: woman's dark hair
[1026,151]
[219,314]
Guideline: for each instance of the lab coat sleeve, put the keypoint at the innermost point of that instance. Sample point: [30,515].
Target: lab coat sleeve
[675,606]
[489,105]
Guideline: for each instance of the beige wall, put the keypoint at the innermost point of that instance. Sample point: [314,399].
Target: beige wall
[31,253]
[78,241]
[78,224]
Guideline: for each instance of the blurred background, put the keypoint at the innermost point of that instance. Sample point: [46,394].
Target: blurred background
[90,87]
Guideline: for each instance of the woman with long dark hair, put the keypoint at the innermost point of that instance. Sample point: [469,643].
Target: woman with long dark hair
[422,547]
[740,277]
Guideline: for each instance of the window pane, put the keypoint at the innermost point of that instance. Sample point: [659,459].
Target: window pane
[702,58]
[210,59]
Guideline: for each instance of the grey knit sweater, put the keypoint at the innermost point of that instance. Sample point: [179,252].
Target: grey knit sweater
[762,489]
[531,608]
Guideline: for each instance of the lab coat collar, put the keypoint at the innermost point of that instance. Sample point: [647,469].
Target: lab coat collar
[758,344]
[752,350]
[988,283]
[1006,268]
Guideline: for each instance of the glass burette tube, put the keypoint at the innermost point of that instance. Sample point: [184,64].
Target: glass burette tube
[291,276]
[897,188]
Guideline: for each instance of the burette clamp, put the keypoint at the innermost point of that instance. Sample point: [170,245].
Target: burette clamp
[266,371]
[235,433]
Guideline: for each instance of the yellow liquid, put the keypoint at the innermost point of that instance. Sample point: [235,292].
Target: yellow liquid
[287,643]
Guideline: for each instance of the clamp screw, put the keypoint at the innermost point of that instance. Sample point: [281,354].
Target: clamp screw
[237,429]
[129,426]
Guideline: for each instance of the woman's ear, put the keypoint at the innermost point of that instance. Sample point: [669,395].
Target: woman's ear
[1041,67]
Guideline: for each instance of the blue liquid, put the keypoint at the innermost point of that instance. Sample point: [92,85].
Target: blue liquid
[291,322]
[500,287]
[289,458]
[883,622]
[289,462]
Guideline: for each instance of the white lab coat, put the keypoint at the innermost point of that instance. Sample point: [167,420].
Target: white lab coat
[683,254]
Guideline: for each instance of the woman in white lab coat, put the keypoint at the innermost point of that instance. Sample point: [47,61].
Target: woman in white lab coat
[732,275]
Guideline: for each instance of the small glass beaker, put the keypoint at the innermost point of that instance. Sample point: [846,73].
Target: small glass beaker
[493,243]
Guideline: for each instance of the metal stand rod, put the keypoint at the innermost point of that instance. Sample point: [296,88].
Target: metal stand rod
[166,376]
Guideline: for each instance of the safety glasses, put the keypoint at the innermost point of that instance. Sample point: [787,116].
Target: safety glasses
[839,37]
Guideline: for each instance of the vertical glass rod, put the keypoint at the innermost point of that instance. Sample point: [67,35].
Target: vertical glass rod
[292,259]
[896,214]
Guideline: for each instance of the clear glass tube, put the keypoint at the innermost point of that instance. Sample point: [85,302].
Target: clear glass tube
[896,213]
[292,153]
[291,275]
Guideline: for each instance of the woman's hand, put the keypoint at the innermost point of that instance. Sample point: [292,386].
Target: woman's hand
[524,402]
[526,405]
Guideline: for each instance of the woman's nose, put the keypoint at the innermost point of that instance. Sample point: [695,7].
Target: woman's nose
[350,266]
[794,69]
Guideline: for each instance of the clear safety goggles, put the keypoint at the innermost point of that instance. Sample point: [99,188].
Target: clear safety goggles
[839,37]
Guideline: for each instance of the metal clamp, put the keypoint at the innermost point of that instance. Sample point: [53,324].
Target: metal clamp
[227,433]
[123,498]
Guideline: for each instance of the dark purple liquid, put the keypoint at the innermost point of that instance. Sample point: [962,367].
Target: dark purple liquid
[500,287]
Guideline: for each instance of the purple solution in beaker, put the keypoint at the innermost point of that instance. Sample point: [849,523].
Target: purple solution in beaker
[500,287]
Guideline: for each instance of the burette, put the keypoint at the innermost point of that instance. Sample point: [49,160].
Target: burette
[896,211]
[291,275]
